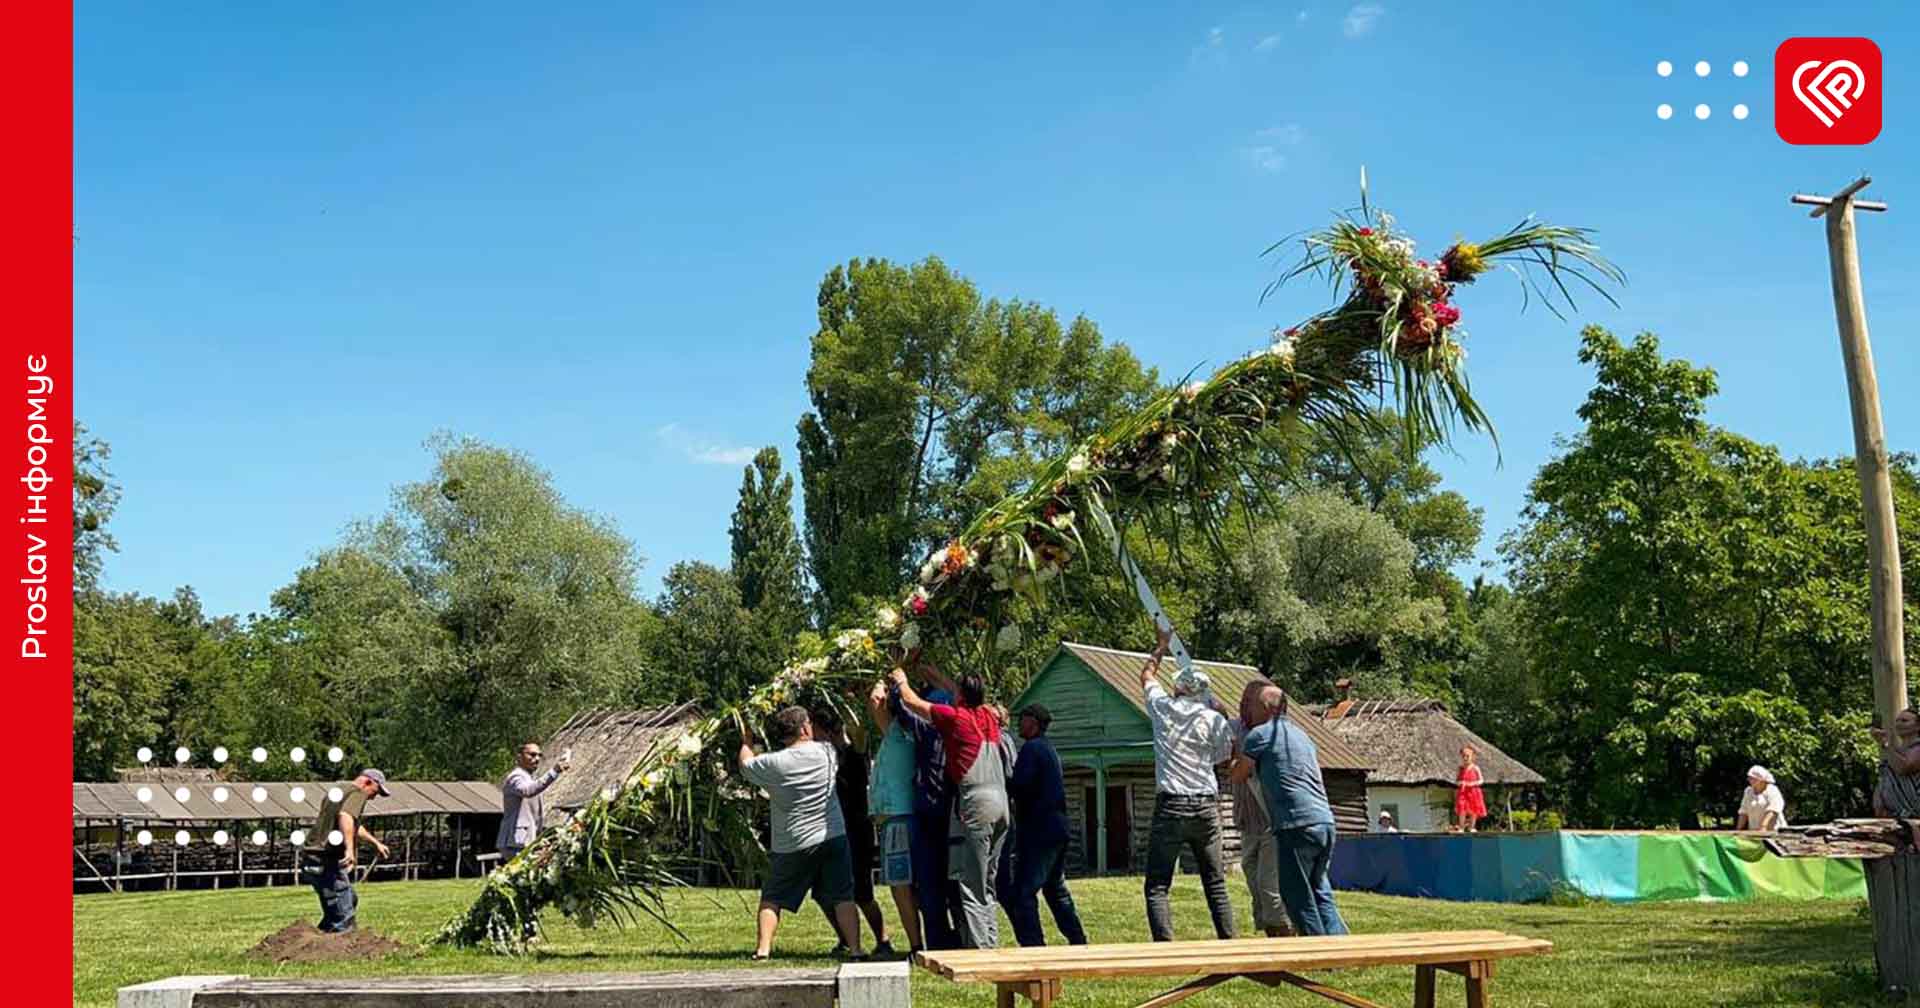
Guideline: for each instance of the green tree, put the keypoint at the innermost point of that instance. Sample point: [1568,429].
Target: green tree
[1692,605]
[1324,588]
[929,401]
[710,647]
[533,599]
[95,495]
[766,549]
[123,672]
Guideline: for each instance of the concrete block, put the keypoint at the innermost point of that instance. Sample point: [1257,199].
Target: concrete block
[875,985]
[173,992]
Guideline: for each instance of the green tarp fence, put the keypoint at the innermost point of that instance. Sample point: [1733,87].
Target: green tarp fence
[1622,867]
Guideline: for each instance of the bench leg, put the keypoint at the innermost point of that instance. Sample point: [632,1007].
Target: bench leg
[1004,994]
[1423,987]
[1477,992]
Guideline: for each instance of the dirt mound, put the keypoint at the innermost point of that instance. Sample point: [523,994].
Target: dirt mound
[301,942]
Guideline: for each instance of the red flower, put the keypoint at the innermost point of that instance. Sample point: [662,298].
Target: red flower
[1366,231]
[917,606]
[1445,314]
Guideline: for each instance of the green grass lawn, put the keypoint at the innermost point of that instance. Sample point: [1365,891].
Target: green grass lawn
[1647,954]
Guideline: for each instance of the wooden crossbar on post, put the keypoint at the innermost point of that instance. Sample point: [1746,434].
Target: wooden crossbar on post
[1869,445]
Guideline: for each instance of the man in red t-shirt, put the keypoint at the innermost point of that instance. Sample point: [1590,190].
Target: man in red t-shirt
[976,764]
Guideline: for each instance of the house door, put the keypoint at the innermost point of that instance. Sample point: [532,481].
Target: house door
[1119,838]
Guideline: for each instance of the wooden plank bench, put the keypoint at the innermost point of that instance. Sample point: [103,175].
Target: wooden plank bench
[1036,974]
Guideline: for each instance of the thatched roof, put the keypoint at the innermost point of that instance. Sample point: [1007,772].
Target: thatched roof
[1121,670]
[1416,742]
[607,744]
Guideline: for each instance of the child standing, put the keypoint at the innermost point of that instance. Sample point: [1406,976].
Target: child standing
[1469,804]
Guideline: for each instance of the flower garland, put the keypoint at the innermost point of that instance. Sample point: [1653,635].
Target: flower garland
[1176,464]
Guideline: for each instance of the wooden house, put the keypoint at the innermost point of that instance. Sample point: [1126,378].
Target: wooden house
[1105,741]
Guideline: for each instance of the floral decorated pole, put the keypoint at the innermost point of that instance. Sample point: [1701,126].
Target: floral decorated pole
[1174,468]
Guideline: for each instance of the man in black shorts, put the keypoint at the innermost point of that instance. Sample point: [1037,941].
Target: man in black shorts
[850,785]
[809,835]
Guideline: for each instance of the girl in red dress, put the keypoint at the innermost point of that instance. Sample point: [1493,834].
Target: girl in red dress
[1469,804]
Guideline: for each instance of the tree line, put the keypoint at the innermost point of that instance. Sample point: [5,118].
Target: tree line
[1679,601]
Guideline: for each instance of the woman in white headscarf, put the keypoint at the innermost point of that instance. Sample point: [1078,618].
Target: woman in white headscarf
[1762,808]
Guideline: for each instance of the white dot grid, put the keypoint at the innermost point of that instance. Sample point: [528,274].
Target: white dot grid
[334,837]
[259,794]
[145,794]
[219,838]
[219,754]
[1739,68]
[297,754]
[334,794]
[1739,111]
[335,755]
[1702,68]
[299,837]
[143,838]
[145,754]
[298,794]
[259,754]
[182,838]
[182,754]
[1664,68]
[219,794]
[1665,111]
[180,794]
[259,838]
[1701,111]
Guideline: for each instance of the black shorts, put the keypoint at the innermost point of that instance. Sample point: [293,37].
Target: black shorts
[860,850]
[824,869]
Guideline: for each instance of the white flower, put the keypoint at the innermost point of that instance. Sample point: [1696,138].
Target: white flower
[886,618]
[1192,391]
[1283,349]
[851,639]
[1170,440]
[910,637]
[689,744]
[1062,521]
[1008,638]
[1078,463]
[1386,221]
[651,780]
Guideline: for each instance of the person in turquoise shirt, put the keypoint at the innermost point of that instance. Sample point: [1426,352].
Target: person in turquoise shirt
[890,803]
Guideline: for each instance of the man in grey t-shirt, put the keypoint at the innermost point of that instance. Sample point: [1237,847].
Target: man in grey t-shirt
[809,836]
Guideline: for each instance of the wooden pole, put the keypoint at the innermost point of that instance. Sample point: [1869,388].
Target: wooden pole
[1869,447]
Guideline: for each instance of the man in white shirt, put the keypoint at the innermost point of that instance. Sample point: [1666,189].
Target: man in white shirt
[1762,806]
[1190,739]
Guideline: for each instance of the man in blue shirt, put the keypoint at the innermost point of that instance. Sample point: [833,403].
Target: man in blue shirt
[1289,767]
[932,813]
[1039,795]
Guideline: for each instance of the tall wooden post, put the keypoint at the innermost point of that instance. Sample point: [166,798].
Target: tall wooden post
[1869,447]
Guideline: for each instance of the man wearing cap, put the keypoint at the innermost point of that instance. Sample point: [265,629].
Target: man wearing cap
[1039,794]
[520,806]
[1190,739]
[1762,807]
[327,859]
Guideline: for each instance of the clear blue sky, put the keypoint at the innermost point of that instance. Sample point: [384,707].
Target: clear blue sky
[309,237]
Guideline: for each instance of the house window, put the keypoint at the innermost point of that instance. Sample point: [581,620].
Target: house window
[1392,809]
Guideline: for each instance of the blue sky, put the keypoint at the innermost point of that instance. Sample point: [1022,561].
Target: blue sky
[308,239]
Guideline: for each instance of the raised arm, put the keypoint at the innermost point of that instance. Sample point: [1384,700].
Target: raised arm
[877,707]
[1152,666]
[913,702]
[526,785]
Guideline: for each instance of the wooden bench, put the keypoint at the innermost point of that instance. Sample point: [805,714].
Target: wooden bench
[1037,973]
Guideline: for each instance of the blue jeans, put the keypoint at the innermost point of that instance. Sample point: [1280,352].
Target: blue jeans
[1041,869]
[1305,854]
[337,900]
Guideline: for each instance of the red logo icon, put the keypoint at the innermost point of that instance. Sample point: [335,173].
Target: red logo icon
[1826,90]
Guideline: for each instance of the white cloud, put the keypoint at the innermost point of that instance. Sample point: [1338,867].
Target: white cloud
[1266,44]
[1361,19]
[1301,17]
[1216,37]
[1268,152]
[1213,50]
[701,448]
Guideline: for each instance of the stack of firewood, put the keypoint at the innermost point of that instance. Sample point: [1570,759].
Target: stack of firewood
[1862,838]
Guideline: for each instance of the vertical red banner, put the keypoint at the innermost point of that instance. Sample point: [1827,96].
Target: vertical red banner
[36,499]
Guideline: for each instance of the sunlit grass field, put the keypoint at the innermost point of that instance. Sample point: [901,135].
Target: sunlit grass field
[1690,954]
